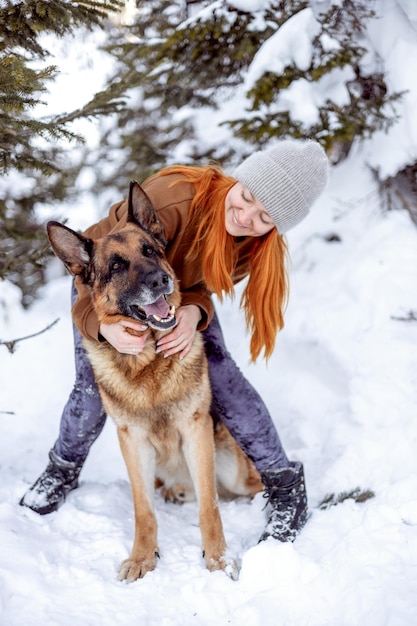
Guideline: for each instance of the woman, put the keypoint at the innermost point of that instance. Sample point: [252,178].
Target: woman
[219,229]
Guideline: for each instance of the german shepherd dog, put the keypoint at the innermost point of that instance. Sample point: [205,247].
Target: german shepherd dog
[160,405]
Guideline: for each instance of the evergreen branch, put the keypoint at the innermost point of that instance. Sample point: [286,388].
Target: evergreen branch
[22,22]
[357,494]
[101,104]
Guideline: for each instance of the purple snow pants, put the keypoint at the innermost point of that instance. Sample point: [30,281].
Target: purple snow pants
[235,403]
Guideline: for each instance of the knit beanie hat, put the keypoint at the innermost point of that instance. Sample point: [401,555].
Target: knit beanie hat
[287,178]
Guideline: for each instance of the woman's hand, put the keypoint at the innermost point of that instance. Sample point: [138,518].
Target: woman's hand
[181,338]
[118,336]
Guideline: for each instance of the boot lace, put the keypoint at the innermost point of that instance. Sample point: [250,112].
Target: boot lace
[283,495]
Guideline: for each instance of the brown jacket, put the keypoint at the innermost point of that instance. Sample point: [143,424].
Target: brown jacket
[172,204]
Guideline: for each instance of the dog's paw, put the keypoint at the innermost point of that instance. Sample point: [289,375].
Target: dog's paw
[232,569]
[225,563]
[132,569]
[177,494]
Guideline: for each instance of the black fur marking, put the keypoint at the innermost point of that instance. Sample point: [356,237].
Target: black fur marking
[119,237]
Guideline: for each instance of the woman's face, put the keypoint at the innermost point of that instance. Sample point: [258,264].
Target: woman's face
[245,215]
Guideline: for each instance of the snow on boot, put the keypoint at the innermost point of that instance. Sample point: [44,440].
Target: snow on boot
[287,502]
[50,490]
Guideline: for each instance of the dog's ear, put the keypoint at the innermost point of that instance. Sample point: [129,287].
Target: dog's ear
[73,249]
[142,212]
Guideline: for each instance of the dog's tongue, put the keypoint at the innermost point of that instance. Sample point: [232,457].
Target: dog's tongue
[160,307]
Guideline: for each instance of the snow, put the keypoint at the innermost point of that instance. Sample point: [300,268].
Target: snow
[249,6]
[342,390]
[394,39]
[341,387]
[290,45]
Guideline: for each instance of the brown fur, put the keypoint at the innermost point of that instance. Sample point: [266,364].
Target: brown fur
[160,405]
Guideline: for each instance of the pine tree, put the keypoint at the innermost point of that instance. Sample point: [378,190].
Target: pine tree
[31,145]
[173,64]
[369,106]
[170,66]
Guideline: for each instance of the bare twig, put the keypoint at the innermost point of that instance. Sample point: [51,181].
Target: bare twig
[410,317]
[11,344]
[7,413]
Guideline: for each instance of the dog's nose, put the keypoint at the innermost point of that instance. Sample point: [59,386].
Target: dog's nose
[160,280]
[157,279]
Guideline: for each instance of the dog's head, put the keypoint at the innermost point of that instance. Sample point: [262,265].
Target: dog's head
[127,271]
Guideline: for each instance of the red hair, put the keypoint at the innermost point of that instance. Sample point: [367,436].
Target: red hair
[266,293]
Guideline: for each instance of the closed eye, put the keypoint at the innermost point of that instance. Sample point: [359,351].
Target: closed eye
[263,215]
[246,196]
[266,219]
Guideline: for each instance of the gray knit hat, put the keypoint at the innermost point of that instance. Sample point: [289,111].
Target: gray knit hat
[287,178]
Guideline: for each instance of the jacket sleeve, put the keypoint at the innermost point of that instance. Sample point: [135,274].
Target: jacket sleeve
[201,297]
[83,313]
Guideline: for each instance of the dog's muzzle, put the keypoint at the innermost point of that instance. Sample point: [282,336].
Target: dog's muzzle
[158,315]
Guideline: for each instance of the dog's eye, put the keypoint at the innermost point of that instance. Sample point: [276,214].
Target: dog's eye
[148,250]
[118,265]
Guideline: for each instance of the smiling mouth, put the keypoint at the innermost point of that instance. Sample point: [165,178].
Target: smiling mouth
[236,222]
[158,315]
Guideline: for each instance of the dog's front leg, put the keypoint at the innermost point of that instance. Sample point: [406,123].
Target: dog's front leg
[139,457]
[198,448]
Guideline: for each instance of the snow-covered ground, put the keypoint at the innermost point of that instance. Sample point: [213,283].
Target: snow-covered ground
[342,388]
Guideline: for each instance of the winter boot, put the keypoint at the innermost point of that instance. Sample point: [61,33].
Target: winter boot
[287,502]
[50,490]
